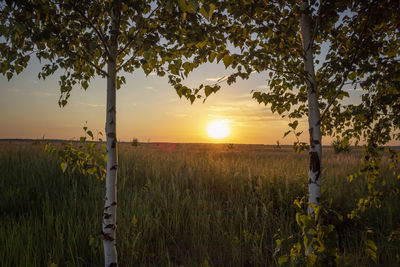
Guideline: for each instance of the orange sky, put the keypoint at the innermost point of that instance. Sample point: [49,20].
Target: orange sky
[147,108]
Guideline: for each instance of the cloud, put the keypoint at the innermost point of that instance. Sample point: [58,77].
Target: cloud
[183,115]
[151,88]
[222,108]
[41,93]
[153,73]
[92,105]
[263,86]
[214,79]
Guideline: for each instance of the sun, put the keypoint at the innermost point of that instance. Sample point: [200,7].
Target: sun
[218,129]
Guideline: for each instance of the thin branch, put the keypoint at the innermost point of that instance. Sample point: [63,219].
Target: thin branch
[134,37]
[89,62]
[319,14]
[128,60]
[99,33]
[348,70]
[334,97]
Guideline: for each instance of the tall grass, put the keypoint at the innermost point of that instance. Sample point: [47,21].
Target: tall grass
[193,205]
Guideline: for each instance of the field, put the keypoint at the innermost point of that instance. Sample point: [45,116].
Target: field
[181,205]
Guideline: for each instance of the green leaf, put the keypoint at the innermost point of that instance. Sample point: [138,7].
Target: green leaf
[311,259]
[82,139]
[194,5]
[201,44]
[282,260]
[91,170]
[85,84]
[124,8]
[204,12]
[293,125]
[212,8]
[227,60]
[187,66]
[211,56]
[90,134]
[371,254]
[9,75]
[183,5]
[64,166]
[371,244]
[192,98]
[208,90]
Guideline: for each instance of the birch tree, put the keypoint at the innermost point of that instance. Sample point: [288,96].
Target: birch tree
[85,39]
[314,53]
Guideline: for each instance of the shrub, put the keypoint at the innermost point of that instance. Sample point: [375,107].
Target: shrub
[341,145]
[135,142]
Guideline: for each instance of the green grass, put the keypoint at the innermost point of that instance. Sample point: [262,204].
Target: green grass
[196,205]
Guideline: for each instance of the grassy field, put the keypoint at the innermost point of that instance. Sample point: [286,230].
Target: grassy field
[183,205]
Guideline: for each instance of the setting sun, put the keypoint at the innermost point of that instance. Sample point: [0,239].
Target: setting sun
[218,129]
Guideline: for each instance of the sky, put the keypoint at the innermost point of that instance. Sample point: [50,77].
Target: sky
[148,109]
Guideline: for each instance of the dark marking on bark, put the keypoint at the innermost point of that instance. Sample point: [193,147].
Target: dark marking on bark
[311,138]
[316,142]
[114,167]
[112,122]
[110,226]
[112,109]
[318,199]
[315,165]
[113,264]
[111,135]
[113,204]
[313,88]
[114,143]
[107,236]
[107,215]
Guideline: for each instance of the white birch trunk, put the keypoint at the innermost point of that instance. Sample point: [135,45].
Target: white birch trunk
[314,175]
[110,206]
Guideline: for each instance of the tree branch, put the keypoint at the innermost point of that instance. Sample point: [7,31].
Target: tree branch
[351,63]
[99,33]
[128,60]
[319,14]
[89,62]
[134,37]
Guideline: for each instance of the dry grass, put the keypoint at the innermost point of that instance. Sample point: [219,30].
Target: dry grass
[179,205]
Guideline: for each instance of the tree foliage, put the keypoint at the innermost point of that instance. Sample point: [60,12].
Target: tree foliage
[74,37]
[356,48]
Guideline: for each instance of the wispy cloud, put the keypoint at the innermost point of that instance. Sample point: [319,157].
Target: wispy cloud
[183,115]
[151,88]
[216,79]
[92,105]
[14,90]
[263,86]
[41,93]
[223,108]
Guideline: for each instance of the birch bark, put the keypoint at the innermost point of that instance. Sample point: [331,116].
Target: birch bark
[110,206]
[314,175]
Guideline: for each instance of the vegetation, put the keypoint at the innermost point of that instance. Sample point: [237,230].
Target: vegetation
[135,142]
[197,205]
[341,145]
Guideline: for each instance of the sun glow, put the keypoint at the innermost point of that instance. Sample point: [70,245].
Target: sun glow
[218,129]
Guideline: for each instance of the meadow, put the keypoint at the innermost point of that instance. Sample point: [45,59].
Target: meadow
[182,205]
